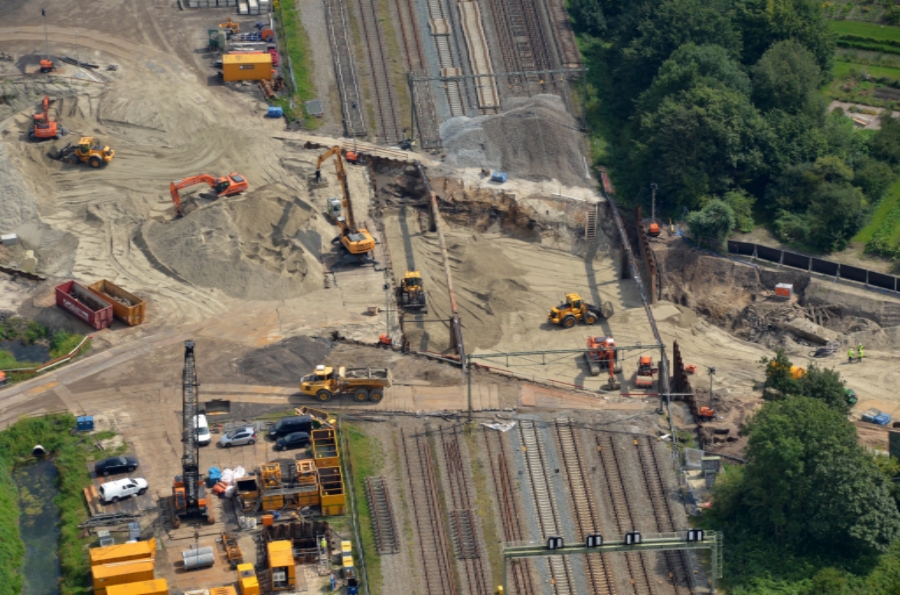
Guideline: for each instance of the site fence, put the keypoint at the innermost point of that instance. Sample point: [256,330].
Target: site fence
[815,265]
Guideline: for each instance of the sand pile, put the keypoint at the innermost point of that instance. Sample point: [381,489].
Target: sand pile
[535,138]
[257,246]
[285,361]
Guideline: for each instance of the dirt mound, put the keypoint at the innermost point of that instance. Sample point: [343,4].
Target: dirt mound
[286,361]
[250,246]
[535,138]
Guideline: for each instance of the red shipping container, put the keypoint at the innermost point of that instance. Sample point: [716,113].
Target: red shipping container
[88,307]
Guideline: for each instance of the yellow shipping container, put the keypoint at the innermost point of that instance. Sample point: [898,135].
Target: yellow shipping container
[228,590]
[155,587]
[281,565]
[123,552]
[247,580]
[120,573]
[246,67]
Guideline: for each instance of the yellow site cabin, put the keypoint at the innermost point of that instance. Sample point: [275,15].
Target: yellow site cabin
[123,552]
[246,67]
[155,587]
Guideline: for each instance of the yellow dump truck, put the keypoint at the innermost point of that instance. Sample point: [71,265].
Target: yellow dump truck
[365,384]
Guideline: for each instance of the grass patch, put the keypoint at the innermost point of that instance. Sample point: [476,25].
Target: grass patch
[889,201]
[70,456]
[870,30]
[295,44]
[366,459]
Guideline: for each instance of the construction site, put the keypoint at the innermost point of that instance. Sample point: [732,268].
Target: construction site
[451,351]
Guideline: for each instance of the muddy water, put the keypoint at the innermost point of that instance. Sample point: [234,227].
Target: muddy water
[39,525]
[32,353]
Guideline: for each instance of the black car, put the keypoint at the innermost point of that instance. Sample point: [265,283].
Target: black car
[114,465]
[289,425]
[295,440]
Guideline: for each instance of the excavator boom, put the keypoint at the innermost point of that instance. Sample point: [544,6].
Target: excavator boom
[356,240]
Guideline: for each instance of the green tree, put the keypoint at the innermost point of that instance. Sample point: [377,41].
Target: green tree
[808,483]
[711,225]
[693,65]
[787,78]
[779,383]
[700,142]
[742,204]
[764,22]
[825,385]
[663,29]
[791,228]
[885,145]
[873,177]
[588,17]
[835,215]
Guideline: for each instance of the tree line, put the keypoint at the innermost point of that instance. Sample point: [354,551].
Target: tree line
[717,102]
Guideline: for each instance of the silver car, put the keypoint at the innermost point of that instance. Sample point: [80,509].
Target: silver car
[238,437]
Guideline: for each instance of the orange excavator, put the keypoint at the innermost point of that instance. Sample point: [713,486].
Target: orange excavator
[356,242]
[233,183]
[601,353]
[42,127]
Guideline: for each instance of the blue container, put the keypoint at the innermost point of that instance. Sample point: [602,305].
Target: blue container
[215,474]
[85,423]
[275,111]
[499,177]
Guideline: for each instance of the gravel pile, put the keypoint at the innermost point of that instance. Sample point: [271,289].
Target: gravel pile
[535,138]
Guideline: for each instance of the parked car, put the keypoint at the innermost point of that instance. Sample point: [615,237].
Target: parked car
[113,491]
[202,426]
[295,440]
[874,416]
[289,425]
[114,465]
[238,437]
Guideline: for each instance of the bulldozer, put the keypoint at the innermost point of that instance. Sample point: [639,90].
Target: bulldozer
[575,309]
[42,127]
[86,151]
[411,293]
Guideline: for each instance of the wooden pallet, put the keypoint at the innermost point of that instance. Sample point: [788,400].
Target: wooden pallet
[93,500]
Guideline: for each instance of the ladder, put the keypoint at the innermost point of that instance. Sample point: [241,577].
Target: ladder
[324,567]
[590,224]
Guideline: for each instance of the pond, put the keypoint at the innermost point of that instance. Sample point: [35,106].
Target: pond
[33,353]
[39,525]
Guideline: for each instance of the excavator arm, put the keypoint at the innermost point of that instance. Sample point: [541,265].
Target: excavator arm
[230,184]
[335,152]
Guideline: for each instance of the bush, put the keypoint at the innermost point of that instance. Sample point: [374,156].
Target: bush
[62,343]
[742,204]
[711,225]
[792,228]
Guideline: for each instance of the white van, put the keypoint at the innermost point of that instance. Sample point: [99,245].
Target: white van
[202,427]
[113,491]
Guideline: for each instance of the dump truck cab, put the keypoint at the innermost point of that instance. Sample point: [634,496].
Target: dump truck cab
[365,384]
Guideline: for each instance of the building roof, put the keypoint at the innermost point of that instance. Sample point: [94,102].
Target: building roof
[263,58]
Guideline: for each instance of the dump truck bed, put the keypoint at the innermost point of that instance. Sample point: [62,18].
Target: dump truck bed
[367,377]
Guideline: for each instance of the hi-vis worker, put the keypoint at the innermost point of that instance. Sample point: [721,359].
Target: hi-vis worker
[850,355]
[859,351]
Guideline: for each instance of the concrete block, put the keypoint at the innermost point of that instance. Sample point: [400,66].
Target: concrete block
[9,239]
[808,330]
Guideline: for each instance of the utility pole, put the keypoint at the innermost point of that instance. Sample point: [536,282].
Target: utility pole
[46,37]
[653,203]
[77,50]
[712,372]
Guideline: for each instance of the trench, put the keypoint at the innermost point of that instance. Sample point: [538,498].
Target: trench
[39,527]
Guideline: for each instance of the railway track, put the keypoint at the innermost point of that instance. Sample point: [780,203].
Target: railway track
[390,128]
[462,516]
[436,565]
[441,33]
[382,513]
[509,513]
[599,575]
[662,512]
[429,133]
[560,571]
[621,508]
[345,68]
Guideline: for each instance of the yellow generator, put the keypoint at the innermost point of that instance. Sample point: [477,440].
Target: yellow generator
[247,581]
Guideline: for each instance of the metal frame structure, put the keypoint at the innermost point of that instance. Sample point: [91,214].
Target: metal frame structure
[663,542]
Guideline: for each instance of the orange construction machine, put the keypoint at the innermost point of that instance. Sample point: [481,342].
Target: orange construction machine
[601,354]
[654,230]
[42,127]
[233,183]
[645,372]
[707,414]
[356,242]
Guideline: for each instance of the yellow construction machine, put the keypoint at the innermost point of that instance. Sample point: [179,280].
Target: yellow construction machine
[365,384]
[356,242]
[86,151]
[231,26]
[575,309]
[411,293]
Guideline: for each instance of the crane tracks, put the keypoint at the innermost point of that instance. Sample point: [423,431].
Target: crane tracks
[462,521]
[509,511]
[560,570]
[384,97]
[585,514]
[662,512]
[425,502]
